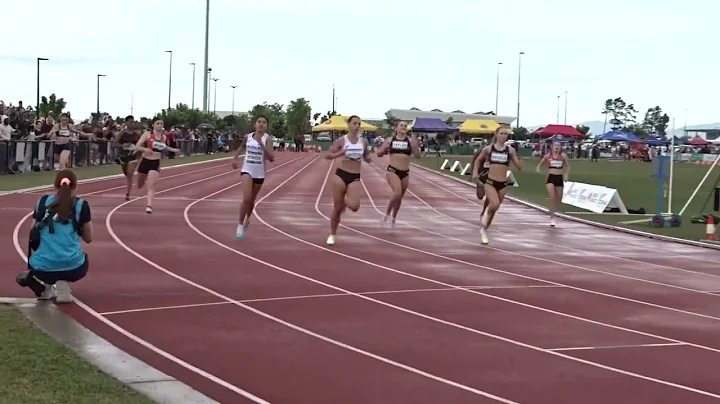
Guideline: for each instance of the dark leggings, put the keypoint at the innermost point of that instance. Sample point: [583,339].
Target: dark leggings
[34,277]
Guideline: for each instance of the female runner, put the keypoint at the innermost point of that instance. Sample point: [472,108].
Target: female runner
[498,155]
[61,133]
[151,145]
[127,138]
[258,147]
[558,172]
[482,177]
[346,183]
[400,147]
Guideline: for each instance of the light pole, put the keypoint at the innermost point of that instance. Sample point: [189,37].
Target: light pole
[37,99]
[98,94]
[215,101]
[206,83]
[518,95]
[557,118]
[170,78]
[193,91]
[233,102]
[208,77]
[565,121]
[497,88]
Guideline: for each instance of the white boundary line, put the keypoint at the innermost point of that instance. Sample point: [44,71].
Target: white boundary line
[531,258]
[595,348]
[106,177]
[135,338]
[316,296]
[585,221]
[402,309]
[554,246]
[298,328]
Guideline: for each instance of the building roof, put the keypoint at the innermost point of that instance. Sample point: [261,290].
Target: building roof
[223,114]
[457,116]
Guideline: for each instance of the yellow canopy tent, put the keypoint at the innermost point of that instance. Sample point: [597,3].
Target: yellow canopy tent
[339,122]
[479,126]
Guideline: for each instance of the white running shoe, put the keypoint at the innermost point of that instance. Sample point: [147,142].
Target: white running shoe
[240,232]
[552,222]
[384,220]
[48,293]
[483,236]
[331,240]
[484,219]
[63,292]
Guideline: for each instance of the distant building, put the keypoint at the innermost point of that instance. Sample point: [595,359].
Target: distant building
[705,133]
[223,114]
[458,117]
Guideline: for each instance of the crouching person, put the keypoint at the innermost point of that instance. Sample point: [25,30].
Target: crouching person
[56,257]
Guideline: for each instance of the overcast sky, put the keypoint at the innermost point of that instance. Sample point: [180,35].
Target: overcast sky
[380,54]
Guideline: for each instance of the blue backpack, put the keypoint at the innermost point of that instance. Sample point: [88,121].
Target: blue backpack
[42,220]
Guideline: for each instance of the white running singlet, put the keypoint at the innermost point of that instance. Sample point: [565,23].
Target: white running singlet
[254,163]
[354,151]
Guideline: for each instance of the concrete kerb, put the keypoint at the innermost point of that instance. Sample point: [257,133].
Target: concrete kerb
[584,221]
[114,362]
[109,177]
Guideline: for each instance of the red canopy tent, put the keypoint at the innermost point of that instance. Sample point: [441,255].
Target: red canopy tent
[563,130]
[698,141]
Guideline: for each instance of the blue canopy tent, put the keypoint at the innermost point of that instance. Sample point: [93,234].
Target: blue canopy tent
[431,125]
[618,136]
[655,141]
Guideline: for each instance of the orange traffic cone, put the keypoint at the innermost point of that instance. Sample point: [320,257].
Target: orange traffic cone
[710,229]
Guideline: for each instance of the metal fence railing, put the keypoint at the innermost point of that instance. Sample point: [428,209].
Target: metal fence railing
[18,156]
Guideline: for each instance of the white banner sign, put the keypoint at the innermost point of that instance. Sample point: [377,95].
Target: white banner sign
[594,198]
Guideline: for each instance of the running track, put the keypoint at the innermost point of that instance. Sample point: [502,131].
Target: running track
[419,314]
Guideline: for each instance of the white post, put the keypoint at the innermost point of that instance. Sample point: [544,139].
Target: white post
[707,174]
[672,168]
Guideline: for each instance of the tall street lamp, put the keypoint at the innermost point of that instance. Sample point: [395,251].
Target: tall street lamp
[518,95]
[170,78]
[98,94]
[193,87]
[37,99]
[215,101]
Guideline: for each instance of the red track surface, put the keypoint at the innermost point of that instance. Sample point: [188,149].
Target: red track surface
[419,314]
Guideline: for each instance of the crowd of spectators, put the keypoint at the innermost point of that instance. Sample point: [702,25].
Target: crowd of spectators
[26,146]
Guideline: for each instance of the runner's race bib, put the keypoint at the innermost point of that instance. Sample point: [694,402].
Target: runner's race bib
[159,145]
[128,146]
[253,158]
[400,145]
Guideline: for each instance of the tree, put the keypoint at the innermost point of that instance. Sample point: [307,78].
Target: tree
[52,104]
[182,115]
[298,116]
[622,114]
[520,133]
[327,116]
[583,129]
[637,129]
[656,122]
[276,116]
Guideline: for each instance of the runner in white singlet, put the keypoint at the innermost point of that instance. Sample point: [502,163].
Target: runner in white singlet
[258,147]
[346,184]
